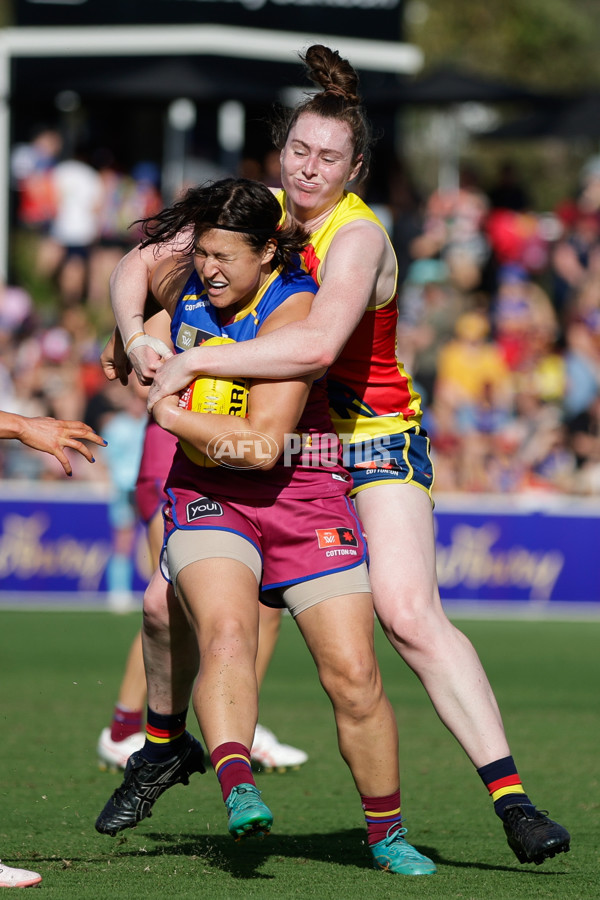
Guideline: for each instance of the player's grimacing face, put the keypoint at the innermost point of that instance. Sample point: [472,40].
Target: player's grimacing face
[231,271]
[317,162]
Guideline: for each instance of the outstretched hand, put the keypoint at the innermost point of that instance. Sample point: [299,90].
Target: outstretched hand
[53,435]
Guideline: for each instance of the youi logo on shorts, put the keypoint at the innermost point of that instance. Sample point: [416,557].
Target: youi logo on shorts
[202,507]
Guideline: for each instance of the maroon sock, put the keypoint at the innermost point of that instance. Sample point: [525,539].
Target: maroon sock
[125,722]
[381,814]
[231,762]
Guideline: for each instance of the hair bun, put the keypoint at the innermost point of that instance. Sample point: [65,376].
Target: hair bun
[327,69]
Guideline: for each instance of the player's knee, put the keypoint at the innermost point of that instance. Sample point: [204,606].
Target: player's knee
[417,624]
[156,610]
[353,684]
[227,640]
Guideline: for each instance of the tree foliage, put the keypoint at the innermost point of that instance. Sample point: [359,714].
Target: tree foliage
[551,45]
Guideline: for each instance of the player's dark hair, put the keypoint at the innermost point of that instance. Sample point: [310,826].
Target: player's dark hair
[338,99]
[233,204]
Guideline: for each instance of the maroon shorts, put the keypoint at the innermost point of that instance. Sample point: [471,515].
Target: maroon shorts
[296,539]
[157,456]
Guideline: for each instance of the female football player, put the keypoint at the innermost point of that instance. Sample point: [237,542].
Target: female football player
[276,518]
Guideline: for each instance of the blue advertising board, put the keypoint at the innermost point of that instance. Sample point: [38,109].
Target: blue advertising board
[528,552]
[534,550]
[55,544]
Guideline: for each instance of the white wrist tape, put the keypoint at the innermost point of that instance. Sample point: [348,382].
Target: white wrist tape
[146,340]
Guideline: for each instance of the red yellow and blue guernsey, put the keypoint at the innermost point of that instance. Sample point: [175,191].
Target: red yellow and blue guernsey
[370,393]
[374,407]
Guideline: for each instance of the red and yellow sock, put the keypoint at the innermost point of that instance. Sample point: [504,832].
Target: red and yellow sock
[162,735]
[231,762]
[504,785]
[381,813]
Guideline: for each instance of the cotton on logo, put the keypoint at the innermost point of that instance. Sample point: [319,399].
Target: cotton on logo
[228,448]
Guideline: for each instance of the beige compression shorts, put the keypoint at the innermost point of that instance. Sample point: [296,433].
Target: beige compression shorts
[184,548]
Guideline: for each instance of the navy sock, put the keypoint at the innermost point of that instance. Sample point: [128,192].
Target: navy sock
[504,785]
[163,735]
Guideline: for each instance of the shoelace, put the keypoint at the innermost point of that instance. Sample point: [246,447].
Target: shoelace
[242,802]
[538,819]
[398,836]
[532,816]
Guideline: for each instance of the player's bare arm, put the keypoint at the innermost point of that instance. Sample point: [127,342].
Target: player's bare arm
[50,436]
[360,271]
[133,345]
[131,282]
[274,407]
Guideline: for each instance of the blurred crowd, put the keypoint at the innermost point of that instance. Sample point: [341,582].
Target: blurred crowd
[500,328]
[76,213]
[499,314]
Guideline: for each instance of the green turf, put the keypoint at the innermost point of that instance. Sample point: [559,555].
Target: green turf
[59,677]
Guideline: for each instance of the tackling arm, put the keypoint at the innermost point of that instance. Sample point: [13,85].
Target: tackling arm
[274,407]
[144,280]
[360,269]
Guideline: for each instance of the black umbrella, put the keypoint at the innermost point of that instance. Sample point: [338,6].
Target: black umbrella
[566,119]
[450,84]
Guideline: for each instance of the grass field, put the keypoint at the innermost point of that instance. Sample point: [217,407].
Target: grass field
[59,678]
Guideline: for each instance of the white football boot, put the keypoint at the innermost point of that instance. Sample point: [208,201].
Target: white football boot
[113,755]
[19,878]
[271,755]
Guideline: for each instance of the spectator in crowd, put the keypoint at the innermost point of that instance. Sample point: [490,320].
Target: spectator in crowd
[126,198]
[124,424]
[456,217]
[472,376]
[46,369]
[76,224]
[582,368]
[407,216]
[429,306]
[526,330]
[508,191]
[584,432]
[577,254]
[31,168]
